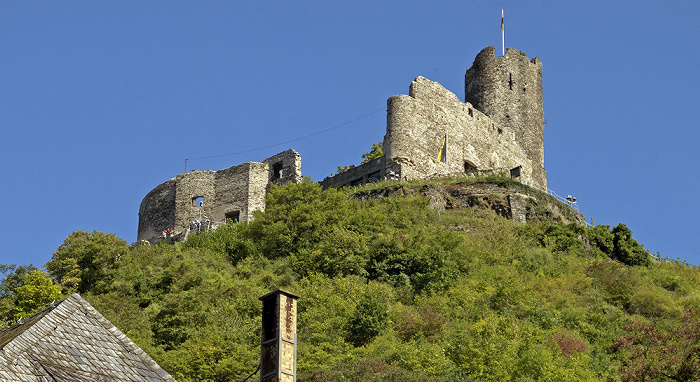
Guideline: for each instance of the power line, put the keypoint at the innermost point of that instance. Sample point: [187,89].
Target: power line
[291,140]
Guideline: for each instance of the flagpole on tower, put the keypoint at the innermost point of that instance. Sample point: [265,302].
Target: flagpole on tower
[503,34]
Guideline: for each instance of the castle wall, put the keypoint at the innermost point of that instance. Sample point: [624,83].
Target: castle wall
[233,192]
[157,210]
[429,133]
[418,123]
[191,186]
[371,171]
[258,184]
[284,167]
[508,89]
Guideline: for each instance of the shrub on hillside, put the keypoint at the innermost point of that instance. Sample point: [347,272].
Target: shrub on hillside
[626,249]
[368,321]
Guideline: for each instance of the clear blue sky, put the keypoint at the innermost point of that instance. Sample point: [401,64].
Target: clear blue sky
[102,101]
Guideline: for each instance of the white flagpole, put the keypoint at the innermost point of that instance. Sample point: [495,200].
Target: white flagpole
[503,34]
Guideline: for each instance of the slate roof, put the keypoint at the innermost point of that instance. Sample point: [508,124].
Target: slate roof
[71,341]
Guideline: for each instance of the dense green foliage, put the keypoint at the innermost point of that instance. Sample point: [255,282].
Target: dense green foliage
[391,290]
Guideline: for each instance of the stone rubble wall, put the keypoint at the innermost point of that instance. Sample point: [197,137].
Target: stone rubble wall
[189,187]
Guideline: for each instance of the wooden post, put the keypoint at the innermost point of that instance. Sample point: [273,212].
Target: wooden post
[278,342]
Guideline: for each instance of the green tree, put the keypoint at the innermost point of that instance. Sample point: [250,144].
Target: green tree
[601,239]
[86,261]
[368,321]
[37,292]
[15,276]
[377,151]
[626,249]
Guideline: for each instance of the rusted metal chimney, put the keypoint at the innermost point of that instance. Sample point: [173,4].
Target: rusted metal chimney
[278,342]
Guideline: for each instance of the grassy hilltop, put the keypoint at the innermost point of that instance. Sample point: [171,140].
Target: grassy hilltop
[396,284]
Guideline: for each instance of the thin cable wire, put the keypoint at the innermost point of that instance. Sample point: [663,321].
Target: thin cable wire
[291,140]
[256,370]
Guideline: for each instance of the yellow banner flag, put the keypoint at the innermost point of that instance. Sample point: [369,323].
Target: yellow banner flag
[442,152]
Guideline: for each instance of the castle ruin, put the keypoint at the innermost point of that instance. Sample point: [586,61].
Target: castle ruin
[210,198]
[429,133]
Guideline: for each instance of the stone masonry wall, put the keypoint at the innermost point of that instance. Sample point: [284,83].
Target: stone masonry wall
[362,174]
[429,133]
[284,167]
[232,195]
[498,128]
[190,186]
[157,210]
[508,90]
[418,123]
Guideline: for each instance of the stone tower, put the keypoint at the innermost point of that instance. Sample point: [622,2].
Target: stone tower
[508,89]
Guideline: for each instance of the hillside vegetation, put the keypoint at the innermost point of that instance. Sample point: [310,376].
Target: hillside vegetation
[391,290]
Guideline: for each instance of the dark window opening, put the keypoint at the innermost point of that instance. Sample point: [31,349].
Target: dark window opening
[234,216]
[469,168]
[374,177]
[515,172]
[471,113]
[510,80]
[198,201]
[356,182]
[277,170]
[500,131]
[269,317]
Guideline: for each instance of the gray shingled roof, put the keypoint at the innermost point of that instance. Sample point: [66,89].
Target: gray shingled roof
[71,341]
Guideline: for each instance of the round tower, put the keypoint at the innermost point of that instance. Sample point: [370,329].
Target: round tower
[508,89]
